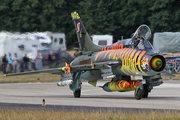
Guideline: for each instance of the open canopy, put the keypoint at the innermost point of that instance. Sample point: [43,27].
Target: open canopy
[142,32]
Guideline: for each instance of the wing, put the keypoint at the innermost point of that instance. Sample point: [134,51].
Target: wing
[53,71]
[63,71]
[98,71]
[60,71]
[94,65]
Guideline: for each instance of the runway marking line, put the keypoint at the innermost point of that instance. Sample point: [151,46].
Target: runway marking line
[89,90]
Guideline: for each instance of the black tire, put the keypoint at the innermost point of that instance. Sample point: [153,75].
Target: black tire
[138,95]
[145,91]
[77,94]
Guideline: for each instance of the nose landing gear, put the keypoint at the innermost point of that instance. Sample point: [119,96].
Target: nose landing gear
[139,91]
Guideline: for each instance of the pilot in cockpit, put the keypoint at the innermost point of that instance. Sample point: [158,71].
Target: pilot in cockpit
[138,44]
[141,45]
[140,39]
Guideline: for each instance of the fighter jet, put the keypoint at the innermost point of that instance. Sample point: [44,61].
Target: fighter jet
[118,63]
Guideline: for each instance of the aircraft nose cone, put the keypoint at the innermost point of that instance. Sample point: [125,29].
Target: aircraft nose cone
[158,63]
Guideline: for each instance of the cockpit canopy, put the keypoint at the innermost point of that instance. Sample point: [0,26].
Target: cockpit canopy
[141,37]
[139,40]
[143,32]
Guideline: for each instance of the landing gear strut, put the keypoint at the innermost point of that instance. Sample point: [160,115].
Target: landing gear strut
[76,85]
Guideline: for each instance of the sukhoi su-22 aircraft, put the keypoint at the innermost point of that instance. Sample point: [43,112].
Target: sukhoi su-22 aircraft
[118,63]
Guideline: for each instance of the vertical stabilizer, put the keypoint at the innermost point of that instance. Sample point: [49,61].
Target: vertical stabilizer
[85,42]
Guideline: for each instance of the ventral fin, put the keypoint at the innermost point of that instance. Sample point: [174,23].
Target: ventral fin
[93,83]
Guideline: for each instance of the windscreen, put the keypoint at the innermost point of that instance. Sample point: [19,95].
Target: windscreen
[142,32]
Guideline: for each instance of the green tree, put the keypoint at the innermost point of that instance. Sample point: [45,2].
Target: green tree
[98,16]
[165,16]
[115,17]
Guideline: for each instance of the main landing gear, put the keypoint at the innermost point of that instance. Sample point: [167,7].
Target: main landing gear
[76,85]
[77,93]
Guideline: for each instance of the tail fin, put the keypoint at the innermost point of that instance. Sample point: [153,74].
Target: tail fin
[85,42]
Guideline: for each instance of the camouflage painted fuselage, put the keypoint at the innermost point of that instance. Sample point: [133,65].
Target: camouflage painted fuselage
[134,62]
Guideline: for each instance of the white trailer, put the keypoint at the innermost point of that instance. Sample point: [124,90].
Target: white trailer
[54,41]
[102,40]
[58,41]
[22,43]
[17,43]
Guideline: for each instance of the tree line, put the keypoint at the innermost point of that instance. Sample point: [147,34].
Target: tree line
[114,17]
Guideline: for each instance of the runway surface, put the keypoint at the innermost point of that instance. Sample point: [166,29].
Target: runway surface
[30,96]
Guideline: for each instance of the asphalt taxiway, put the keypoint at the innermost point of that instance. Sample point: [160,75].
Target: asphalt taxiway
[30,96]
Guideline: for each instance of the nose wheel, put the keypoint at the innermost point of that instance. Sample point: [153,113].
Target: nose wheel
[138,94]
[139,91]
